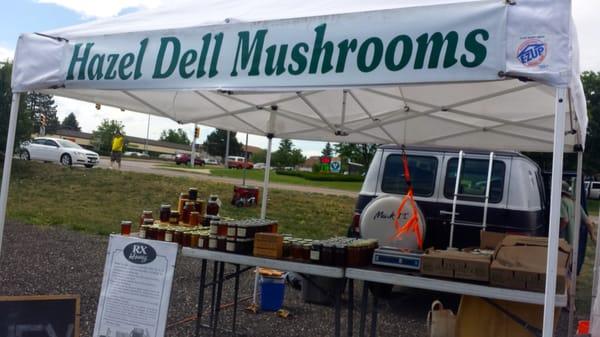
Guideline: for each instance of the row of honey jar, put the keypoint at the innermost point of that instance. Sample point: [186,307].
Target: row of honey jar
[185,236]
[242,228]
[340,252]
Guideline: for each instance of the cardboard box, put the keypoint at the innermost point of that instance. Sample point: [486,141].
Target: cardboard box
[456,264]
[520,263]
[490,240]
[268,253]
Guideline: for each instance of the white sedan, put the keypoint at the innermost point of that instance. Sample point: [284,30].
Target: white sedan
[58,150]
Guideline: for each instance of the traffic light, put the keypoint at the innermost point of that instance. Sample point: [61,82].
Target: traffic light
[43,120]
[196,132]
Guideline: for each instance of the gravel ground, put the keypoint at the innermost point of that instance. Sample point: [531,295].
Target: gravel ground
[42,260]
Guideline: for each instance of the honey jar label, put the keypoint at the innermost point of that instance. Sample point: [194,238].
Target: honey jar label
[200,243]
[315,255]
[212,243]
[241,232]
[169,237]
[230,231]
[142,234]
[230,247]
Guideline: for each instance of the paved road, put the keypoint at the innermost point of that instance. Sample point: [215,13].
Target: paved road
[148,166]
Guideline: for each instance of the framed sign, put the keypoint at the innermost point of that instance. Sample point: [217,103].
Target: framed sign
[40,315]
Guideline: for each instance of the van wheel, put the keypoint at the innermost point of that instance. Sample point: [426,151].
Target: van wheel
[65,159]
[88,166]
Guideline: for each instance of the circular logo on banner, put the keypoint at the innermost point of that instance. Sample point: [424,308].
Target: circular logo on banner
[335,166]
[532,52]
[139,253]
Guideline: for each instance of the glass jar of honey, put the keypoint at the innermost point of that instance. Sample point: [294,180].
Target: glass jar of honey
[203,241]
[187,209]
[145,215]
[160,233]
[125,227]
[327,254]
[165,213]
[169,235]
[192,193]
[194,218]
[183,198]
[296,250]
[315,252]
[195,239]
[174,218]
[287,247]
[186,239]
[177,236]
[306,251]
[199,206]
[339,255]
[213,206]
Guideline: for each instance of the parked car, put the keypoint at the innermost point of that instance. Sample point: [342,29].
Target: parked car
[209,161]
[593,189]
[238,163]
[517,201]
[184,158]
[259,166]
[58,150]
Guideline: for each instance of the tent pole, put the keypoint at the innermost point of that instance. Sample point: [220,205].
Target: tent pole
[555,195]
[595,277]
[8,155]
[263,205]
[226,151]
[574,263]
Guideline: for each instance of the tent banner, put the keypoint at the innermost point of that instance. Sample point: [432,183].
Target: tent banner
[459,42]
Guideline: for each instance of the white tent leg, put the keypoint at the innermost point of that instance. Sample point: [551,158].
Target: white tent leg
[263,205]
[553,231]
[226,151]
[595,271]
[574,262]
[8,155]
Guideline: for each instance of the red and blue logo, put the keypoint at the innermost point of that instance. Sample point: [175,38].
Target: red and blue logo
[532,52]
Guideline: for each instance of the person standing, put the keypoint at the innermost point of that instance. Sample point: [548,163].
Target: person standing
[117,149]
[567,218]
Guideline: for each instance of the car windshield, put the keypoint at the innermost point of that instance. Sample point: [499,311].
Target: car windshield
[67,143]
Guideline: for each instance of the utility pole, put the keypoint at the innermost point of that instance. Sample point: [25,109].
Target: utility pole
[147,135]
[196,135]
[245,162]
[226,150]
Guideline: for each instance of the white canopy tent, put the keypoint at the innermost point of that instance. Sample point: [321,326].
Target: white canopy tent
[486,74]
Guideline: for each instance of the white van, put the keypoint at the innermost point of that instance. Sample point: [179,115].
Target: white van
[517,203]
[593,189]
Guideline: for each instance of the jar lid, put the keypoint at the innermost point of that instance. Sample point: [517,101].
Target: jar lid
[149,221]
[165,206]
[174,212]
[191,203]
[146,212]
[125,222]
[192,189]
[307,245]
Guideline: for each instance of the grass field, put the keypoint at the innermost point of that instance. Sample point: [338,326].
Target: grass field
[97,200]
[258,175]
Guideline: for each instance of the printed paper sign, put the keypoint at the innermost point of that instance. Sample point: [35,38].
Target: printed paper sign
[136,288]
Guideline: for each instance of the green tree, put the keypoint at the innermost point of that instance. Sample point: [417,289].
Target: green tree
[357,153]
[286,155]
[591,88]
[327,150]
[42,104]
[70,123]
[103,135]
[175,136]
[216,141]
[24,126]
[259,156]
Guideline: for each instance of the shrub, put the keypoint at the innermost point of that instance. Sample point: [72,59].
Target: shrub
[322,176]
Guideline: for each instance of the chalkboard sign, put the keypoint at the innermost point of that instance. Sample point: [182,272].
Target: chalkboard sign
[39,316]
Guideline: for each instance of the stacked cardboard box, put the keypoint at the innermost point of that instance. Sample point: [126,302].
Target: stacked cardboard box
[456,264]
[268,245]
[520,263]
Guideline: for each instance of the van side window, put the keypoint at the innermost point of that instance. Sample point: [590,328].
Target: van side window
[422,174]
[473,180]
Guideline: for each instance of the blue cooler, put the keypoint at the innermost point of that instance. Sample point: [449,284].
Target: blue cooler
[272,291]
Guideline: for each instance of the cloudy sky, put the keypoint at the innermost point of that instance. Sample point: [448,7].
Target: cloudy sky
[19,16]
